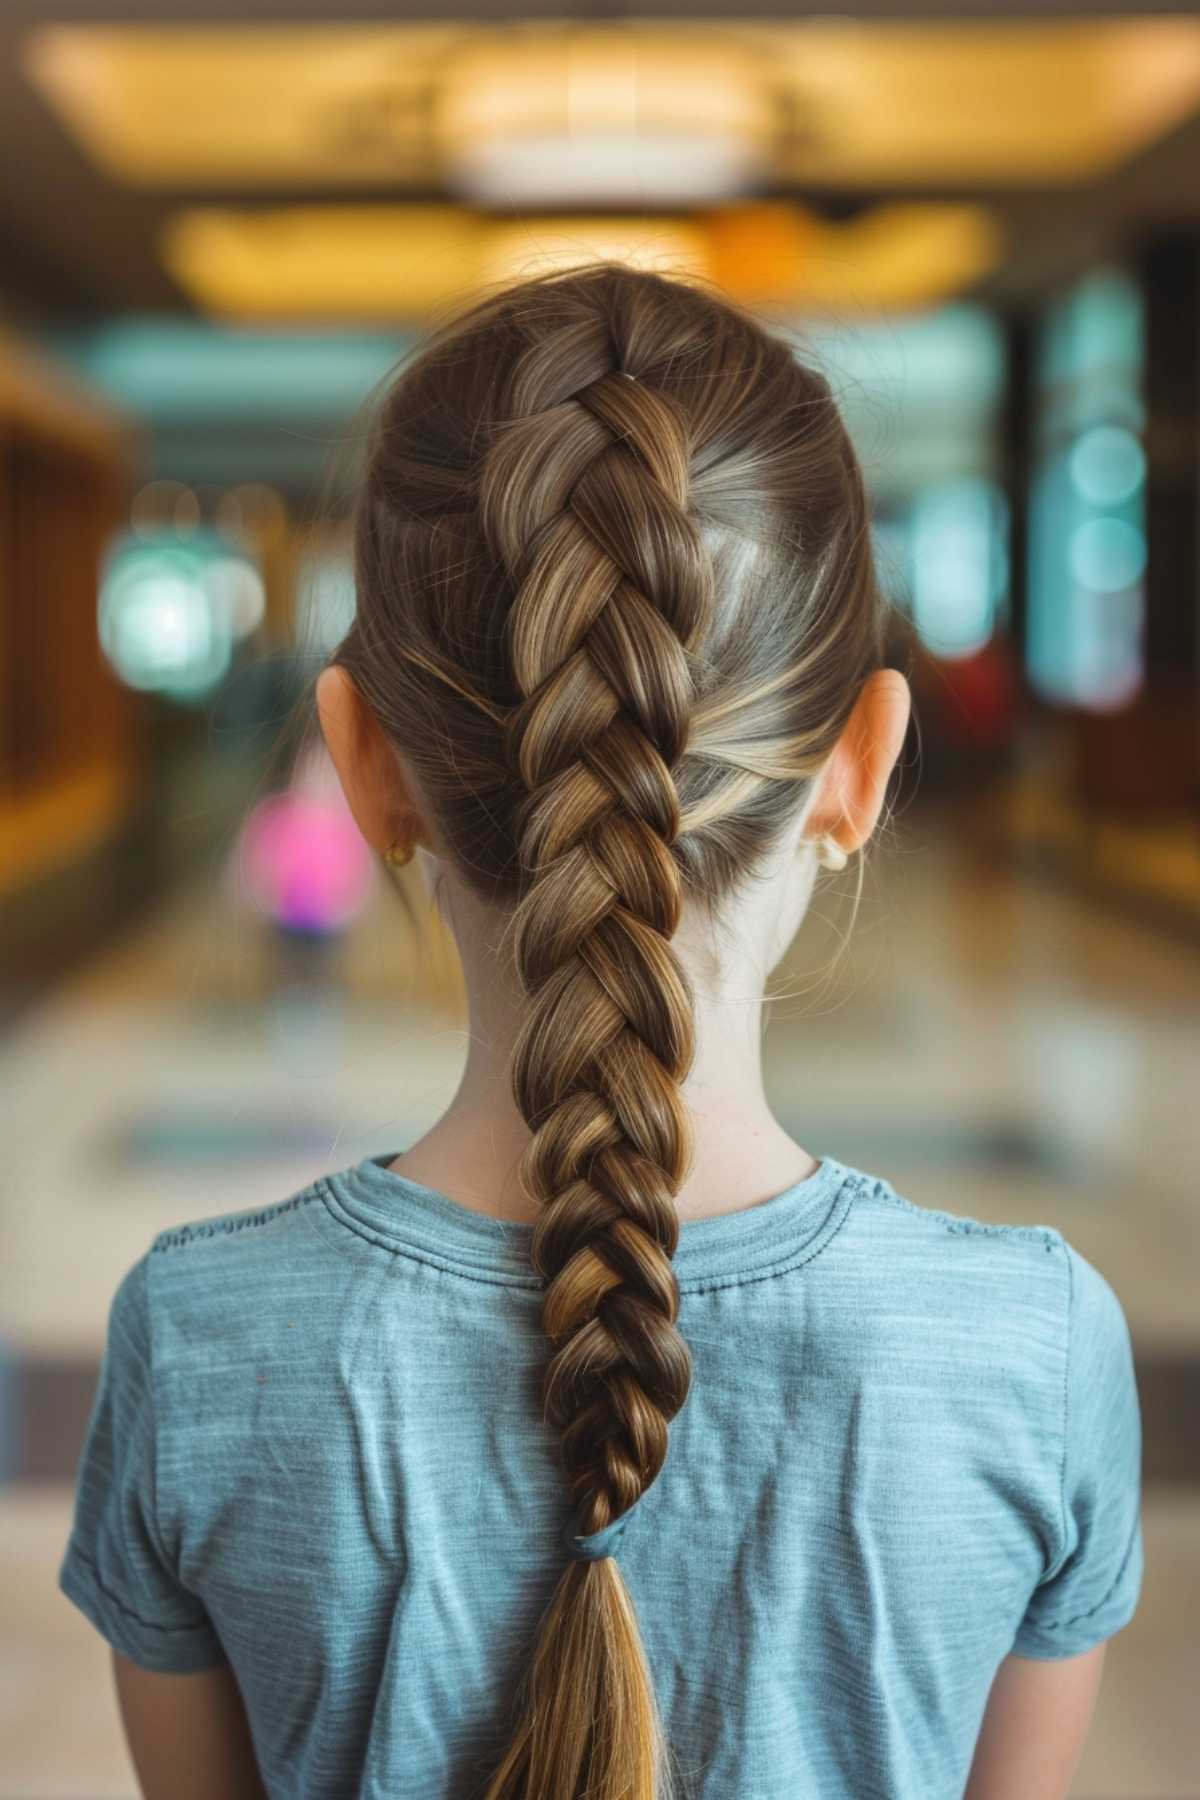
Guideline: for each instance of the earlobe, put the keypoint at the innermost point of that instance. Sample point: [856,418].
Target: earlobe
[830,854]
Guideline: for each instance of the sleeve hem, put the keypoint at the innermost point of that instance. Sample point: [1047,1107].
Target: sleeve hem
[176,1648]
[1045,1644]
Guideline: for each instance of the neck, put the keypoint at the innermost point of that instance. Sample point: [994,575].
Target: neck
[741,1154]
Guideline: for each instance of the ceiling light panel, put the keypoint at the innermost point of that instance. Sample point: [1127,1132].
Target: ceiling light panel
[398,265]
[486,112]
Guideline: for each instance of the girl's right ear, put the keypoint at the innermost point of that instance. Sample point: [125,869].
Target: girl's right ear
[346,728]
[370,771]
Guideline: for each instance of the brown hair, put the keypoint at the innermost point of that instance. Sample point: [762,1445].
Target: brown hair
[615,603]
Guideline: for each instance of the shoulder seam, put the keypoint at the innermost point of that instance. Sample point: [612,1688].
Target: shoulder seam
[1047,1235]
[179,1236]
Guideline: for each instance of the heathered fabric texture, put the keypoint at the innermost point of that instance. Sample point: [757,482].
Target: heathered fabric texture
[912,1445]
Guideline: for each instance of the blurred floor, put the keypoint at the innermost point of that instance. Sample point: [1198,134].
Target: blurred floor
[993,1044]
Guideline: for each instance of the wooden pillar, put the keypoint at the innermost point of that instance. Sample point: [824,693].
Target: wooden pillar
[1171,273]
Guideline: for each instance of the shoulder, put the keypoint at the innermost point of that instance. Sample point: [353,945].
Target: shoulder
[878,1197]
[213,1233]
[225,1276]
[994,1291]
[1055,1270]
[1006,1333]
[893,1218]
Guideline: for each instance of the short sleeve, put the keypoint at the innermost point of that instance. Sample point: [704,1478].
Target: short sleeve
[1091,1590]
[116,1568]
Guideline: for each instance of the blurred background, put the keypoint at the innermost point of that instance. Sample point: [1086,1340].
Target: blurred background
[220,228]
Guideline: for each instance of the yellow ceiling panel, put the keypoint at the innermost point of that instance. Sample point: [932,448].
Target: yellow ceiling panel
[324,262]
[895,104]
[517,251]
[404,263]
[845,103]
[200,105]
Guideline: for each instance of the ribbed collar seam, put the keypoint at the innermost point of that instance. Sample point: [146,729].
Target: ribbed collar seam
[478,1247]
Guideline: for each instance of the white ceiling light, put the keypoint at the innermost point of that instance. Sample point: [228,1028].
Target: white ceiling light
[604,169]
[604,119]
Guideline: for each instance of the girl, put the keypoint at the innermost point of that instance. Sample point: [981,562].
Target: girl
[606,1442]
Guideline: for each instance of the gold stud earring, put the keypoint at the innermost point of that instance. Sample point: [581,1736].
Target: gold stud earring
[830,853]
[399,853]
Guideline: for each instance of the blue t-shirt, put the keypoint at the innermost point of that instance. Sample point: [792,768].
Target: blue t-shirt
[912,1445]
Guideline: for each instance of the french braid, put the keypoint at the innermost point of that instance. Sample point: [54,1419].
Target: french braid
[615,602]
[584,498]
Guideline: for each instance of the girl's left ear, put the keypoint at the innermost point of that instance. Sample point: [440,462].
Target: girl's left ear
[850,799]
[370,773]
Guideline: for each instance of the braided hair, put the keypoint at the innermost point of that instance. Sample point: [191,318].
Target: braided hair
[615,602]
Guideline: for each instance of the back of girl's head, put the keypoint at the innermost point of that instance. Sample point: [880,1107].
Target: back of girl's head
[615,604]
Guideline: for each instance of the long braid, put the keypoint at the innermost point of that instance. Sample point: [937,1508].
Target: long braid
[614,604]
[584,498]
